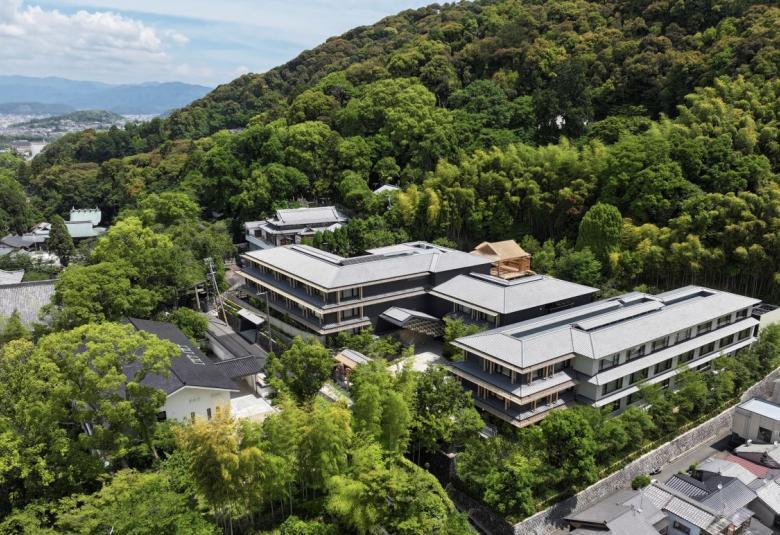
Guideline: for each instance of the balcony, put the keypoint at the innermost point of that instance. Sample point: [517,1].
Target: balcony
[519,416]
[315,298]
[472,372]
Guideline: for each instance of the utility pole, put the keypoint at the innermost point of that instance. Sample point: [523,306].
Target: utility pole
[213,279]
[267,320]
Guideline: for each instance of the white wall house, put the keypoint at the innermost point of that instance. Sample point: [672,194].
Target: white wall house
[195,387]
[195,402]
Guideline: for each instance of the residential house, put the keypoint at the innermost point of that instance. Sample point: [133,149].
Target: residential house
[723,506]
[83,224]
[323,293]
[600,353]
[758,420]
[290,226]
[626,512]
[764,454]
[386,188]
[346,361]
[11,277]
[195,386]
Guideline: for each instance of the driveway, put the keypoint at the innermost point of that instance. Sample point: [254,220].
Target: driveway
[425,355]
[716,445]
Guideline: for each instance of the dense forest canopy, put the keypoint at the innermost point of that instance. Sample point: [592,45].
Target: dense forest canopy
[499,119]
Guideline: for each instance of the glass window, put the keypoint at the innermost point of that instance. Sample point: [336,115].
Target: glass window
[764,435]
[609,362]
[641,375]
[742,314]
[682,336]
[636,352]
[709,348]
[726,341]
[744,334]
[724,320]
[350,313]
[351,293]
[663,366]
[612,386]
[660,343]
[704,327]
[685,357]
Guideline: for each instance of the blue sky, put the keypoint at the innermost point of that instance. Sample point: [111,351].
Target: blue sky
[198,41]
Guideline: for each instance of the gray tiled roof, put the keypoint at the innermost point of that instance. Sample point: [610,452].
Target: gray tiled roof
[506,296]
[190,368]
[28,298]
[240,367]
[605,327]
[332,271]
[626,512]
[308,216]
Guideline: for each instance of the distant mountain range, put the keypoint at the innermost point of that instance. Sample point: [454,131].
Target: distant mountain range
[28,95]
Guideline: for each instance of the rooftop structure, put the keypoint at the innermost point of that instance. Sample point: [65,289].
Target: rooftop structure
[500,301]
[509,259]
[86,215]
[293,225]
[27,298]
[598,353]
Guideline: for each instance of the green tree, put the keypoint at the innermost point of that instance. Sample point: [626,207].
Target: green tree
[100,292]
[455,328]
[60,243]
[303,368]
[571,448]
[134,503]
[191,322]
[600,230]
[443,412]
[101,371]
[13,329]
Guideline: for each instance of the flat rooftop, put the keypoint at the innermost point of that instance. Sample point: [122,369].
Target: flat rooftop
[762,407]
[330,271]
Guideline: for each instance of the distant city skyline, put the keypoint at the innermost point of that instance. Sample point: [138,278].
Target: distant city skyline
[195,41]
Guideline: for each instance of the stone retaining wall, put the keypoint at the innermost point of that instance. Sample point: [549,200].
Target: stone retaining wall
[545,521]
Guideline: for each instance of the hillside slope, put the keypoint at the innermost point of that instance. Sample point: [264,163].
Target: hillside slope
[503,118]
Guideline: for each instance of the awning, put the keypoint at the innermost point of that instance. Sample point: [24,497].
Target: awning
[401,316]
[251,317]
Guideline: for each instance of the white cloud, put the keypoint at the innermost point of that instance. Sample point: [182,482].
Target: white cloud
[103,43]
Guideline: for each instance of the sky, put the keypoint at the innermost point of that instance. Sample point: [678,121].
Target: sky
[196,41]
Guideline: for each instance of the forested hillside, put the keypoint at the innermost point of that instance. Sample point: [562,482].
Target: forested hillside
[626,142]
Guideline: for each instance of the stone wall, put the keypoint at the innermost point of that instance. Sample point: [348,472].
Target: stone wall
[545,521]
